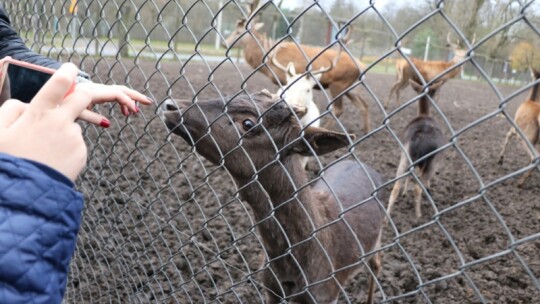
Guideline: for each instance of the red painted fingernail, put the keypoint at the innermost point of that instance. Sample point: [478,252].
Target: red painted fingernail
[105,123]
[137,109]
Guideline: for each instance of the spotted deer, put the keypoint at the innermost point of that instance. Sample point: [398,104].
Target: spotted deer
[527,118]
[316,234]
[421,137]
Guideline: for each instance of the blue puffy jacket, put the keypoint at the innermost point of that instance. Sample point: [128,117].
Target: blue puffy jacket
[40,215]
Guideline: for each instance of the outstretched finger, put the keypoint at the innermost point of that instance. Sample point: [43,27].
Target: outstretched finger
[137,96]
[94,118]
[10,111]
[53,92]
[77,102]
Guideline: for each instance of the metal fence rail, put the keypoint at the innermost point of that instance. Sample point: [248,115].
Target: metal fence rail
[164,224]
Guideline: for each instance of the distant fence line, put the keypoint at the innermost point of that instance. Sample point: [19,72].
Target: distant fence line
[164,225]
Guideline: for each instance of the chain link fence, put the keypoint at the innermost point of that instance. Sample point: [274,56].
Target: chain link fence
[164,224]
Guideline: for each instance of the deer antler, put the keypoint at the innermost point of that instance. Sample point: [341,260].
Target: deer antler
[252,6]
[450,43]
[344,42]
[274,58]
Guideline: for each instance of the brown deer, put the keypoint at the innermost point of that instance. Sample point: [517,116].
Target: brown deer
[315,237]
[421,137]
[527,118]
[427,69]
[338,80]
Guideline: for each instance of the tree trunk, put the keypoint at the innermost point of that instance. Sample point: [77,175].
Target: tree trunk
[123,36]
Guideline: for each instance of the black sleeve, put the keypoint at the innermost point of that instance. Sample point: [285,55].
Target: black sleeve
[24,84]
[11,44]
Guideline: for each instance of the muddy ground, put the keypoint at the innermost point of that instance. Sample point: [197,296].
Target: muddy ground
[164,225]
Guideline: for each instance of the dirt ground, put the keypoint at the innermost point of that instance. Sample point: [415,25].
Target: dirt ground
[164,225]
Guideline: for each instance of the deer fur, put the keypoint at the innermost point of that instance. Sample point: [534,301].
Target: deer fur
[421,137]
[338,80]
[299,92]
[315,242]
[427,69]
[527,118]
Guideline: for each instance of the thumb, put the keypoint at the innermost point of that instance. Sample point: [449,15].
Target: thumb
[10,111]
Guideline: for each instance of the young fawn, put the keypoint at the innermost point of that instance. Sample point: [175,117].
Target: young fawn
[315,237]
[527,118]
[421,137]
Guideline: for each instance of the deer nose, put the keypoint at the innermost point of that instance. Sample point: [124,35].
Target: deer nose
[168,105]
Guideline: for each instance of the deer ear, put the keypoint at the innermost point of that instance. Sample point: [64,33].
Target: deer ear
[258,26]
[291,70]
[322,141]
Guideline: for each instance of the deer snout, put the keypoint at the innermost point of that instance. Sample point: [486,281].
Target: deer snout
[171,114]
[168,105]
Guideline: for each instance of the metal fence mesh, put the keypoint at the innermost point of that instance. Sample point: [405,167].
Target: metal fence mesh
[163,224]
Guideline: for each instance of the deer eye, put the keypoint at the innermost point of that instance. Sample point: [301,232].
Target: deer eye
[247,124]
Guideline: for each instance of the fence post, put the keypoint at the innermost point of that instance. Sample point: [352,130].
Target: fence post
[426,51]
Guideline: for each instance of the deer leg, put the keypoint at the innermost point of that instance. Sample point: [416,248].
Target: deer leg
[395,191]
[509,135]
[405,186]
[361,104]
[398,92]
[531,131]
[526,175]
[375,265]
[398,86]
[425,178]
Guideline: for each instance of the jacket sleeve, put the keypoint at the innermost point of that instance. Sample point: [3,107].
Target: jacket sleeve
[11,44]
[24,85]
[40,215]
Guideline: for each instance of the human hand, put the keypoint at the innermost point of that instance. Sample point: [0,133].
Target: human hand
[125,96]
[45,130]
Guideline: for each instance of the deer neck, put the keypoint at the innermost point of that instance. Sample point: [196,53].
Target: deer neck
[284,213]
[534,93]
[253,53]
[423,106]
[454,72]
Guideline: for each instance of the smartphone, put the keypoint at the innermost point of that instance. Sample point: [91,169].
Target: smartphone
[22,79]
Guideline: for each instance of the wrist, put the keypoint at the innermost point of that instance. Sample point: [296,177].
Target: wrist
[51,173]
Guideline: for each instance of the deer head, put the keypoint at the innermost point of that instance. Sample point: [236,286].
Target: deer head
[299,87]
[239,36]
[459,53]
[240,28]
[248,133]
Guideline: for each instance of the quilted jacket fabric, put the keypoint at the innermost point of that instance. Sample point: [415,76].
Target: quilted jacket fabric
[40,215]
